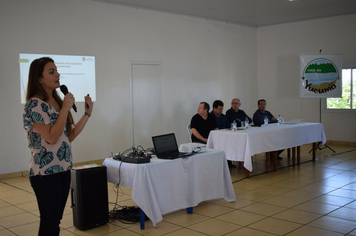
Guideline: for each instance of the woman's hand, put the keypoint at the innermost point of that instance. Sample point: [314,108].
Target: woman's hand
[68,101]
[88,106]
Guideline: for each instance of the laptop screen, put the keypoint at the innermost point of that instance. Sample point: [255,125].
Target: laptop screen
[164,144]
[294,121]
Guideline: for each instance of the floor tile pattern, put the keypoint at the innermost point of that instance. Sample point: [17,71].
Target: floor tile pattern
[315,198]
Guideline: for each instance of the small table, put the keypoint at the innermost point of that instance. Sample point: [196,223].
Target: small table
[241,145]
[163,186]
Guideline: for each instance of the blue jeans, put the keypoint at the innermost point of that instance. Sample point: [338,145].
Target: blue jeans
[52,194]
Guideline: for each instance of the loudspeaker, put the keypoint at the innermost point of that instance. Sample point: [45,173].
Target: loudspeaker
[89,192]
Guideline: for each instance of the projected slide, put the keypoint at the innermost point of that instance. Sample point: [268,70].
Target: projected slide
[76,72]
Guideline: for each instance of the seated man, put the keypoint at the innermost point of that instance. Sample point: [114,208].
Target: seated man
[202,123]
[221,119]
[261,113]
[234,113]
[259,116]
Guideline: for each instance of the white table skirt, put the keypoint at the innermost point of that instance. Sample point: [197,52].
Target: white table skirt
[241,145]
[163,186]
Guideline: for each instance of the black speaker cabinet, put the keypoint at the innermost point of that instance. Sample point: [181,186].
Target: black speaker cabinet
[89,193]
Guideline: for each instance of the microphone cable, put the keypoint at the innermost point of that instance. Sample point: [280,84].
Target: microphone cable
[126,215]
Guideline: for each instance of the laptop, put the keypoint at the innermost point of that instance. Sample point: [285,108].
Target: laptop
[166,147]
[294,121]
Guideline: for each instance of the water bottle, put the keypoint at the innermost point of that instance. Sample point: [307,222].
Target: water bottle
[246,122]
[279,120]
[234,126]
[266,120]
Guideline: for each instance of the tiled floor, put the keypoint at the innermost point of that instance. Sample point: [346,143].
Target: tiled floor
[312,199]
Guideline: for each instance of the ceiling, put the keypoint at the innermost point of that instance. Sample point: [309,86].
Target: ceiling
[254,13]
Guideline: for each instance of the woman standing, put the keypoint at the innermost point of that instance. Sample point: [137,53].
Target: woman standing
[50,129]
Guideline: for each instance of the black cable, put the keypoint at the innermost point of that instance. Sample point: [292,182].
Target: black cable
[126,215]
[141,148]
[129,149]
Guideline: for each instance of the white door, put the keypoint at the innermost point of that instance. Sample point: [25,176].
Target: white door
[146,103]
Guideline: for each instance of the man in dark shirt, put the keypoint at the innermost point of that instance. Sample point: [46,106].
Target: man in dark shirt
[261,113]
[202,123]
[259,116]
[235,113]
[221,119]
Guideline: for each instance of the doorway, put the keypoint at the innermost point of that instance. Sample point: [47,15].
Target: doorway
[146,103]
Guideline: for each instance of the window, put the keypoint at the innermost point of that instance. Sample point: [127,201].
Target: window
[348,100]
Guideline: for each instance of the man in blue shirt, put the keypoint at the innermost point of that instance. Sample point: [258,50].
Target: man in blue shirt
[261,113]
[221,119]
[234,113]
[259,116]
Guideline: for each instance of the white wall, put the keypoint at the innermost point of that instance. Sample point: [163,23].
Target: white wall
[201,60]
[279,47]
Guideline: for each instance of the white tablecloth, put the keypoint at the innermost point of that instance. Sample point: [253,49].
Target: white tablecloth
[242,144]
[163,186]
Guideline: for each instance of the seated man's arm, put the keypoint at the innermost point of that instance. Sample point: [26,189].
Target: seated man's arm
[272,119]
[198,136]
[258,119]
[230,116]
[249,119]
[227,125]
[246,116]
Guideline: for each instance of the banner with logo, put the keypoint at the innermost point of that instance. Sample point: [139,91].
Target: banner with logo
[320,76]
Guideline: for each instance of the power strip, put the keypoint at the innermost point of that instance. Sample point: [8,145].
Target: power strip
[132,159]
[136,160]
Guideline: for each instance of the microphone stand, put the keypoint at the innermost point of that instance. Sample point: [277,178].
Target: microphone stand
[319,144]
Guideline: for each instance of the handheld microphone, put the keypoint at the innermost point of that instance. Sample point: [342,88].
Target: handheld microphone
[86,104]
[64,90]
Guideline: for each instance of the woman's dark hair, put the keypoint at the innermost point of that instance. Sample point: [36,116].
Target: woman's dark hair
[34,87]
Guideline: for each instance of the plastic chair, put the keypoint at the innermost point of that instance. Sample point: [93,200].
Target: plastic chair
[189,132]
